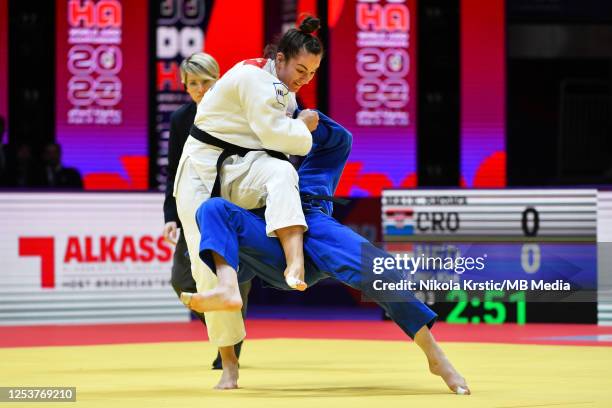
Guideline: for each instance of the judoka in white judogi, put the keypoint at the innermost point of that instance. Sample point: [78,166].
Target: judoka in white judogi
[248,107]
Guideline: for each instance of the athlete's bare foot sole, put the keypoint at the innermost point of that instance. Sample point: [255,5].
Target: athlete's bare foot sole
[216,299]
[294,276]
[442,367]
[229,377]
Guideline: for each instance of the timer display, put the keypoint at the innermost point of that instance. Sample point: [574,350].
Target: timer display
[492,307]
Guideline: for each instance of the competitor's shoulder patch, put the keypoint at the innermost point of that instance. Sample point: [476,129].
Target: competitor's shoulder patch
[281,92]
[258,62]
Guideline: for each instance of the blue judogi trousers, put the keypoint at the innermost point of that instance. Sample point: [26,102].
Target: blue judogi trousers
[331,250]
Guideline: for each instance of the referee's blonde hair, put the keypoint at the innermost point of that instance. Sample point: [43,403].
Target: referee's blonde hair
[200,64]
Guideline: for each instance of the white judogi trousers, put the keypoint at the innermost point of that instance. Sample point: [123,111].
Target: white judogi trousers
[252,181]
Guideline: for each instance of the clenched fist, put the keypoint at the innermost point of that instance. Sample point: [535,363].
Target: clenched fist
[310,118]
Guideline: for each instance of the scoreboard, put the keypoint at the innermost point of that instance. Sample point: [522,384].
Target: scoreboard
[499,215]
[525,237]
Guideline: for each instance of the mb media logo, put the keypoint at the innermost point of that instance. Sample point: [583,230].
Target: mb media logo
[44,248]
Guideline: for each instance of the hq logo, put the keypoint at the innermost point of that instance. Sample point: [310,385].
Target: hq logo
[400,221]
[94,67]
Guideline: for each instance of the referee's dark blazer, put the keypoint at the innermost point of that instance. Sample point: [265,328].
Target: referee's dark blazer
[180,123]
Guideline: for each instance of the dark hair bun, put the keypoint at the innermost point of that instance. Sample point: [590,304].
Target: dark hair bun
[309,25]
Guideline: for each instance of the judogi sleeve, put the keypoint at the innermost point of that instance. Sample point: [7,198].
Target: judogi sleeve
[264,102]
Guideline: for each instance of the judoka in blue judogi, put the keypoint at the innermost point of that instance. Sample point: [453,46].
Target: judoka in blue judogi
[236,238]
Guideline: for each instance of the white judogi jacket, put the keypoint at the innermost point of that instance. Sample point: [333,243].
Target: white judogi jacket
[250,107]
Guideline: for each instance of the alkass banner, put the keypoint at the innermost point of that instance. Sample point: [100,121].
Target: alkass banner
[61,249]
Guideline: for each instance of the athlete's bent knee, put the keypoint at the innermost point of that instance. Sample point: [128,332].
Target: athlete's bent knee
[212,206]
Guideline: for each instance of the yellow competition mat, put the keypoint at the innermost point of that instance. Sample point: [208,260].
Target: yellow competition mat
[314,374]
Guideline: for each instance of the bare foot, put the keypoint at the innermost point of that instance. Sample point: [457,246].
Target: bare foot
[220,298]
[442,367]
[229,377]
[294,276]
